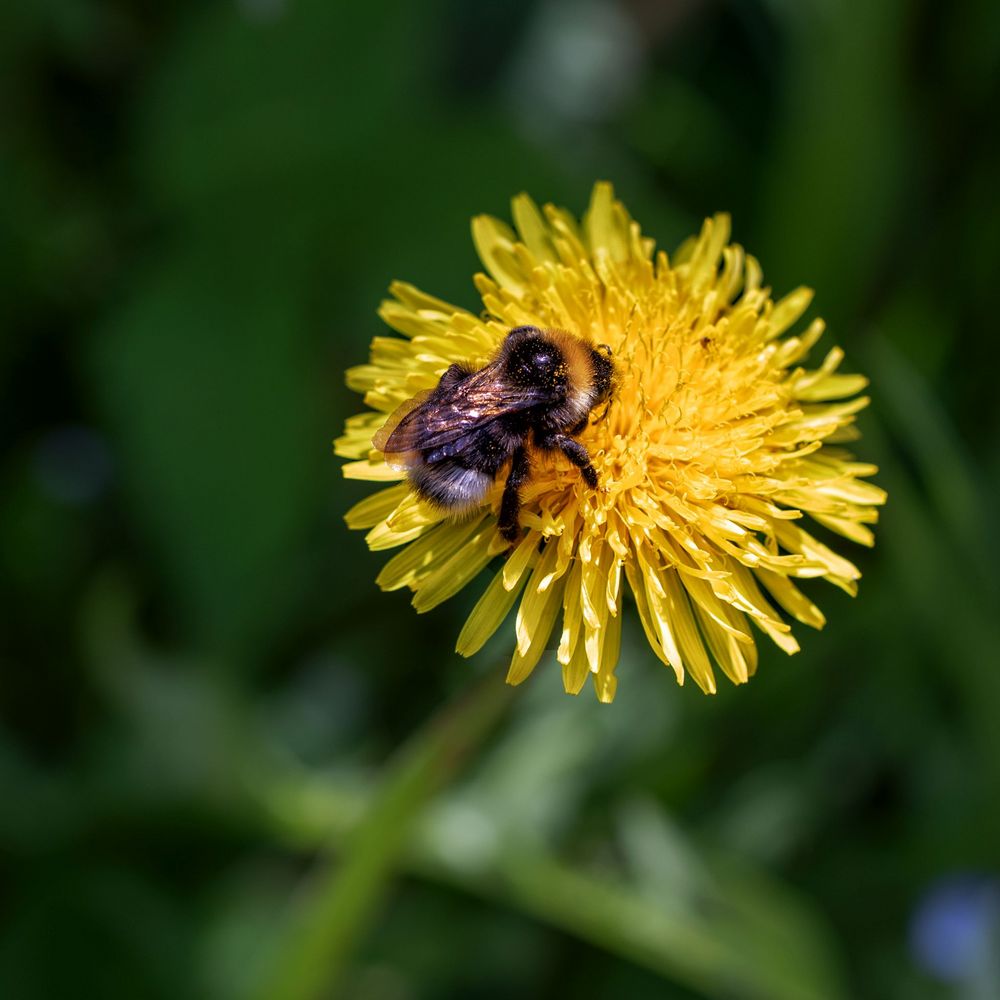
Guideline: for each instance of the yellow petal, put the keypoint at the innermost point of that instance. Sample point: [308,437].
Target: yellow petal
[413,512]
[450,576]
[576,670]
[661,616]
[795,539]
[430,550]
[488,614]
[788,310]
[605,682]
[688,638]
[377,507]
[535,618]
[849,529]
[418,300]
[791,598]
[383,537]
[536,599]
[707,251]
[605,224]
[494,243]
[523,663]
[729,654]
[637,585]
[572,616]
[374,471]
[532,228]
[525,553]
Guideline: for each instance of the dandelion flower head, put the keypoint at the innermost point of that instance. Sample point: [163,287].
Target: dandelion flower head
[719,453]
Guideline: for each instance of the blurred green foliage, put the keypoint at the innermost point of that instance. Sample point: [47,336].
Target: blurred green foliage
[200,686]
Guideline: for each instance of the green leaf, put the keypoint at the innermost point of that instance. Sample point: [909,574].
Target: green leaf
[208,382]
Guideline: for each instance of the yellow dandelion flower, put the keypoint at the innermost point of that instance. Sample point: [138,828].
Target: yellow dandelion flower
[717,443]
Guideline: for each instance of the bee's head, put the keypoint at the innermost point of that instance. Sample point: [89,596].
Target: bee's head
[532,359]
[604,372]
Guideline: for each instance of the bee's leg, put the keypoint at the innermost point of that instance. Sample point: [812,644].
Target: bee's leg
[575,452]
[510,503]
[604,413]
[578,428]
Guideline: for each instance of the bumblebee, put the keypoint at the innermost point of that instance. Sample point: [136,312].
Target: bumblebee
[455,439]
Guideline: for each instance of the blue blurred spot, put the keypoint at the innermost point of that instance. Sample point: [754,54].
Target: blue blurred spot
[956,926]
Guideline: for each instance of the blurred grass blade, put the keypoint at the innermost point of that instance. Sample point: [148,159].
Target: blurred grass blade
[924,427]
[339,902]
[726,930]
[720,955]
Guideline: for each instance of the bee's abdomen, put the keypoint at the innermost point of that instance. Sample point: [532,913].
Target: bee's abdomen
[449,484]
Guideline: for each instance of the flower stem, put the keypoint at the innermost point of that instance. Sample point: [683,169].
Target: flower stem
[340,898]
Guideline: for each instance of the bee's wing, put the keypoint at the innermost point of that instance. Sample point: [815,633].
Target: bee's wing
[443,418]
[395,436]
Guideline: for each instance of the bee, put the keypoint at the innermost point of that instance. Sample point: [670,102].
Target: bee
[455,439]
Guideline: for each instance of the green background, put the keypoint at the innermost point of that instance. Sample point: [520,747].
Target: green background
[201,206]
